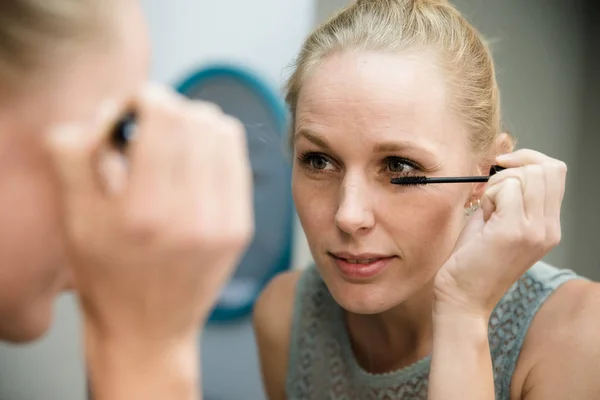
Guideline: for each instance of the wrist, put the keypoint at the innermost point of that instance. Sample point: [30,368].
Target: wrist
[454,310]
[456,328]
[461,366]
[128,367]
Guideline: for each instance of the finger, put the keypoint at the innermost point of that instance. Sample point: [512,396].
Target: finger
[487,205]
[237,205]
[555,179]
[205,167]
[534,193]
[505,200]
[155,154]
[472,227]
[532,179]
[202,128]
[523,157]
[73,151]
[555,176]
[239,185]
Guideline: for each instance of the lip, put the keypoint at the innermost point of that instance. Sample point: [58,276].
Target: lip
[376,264]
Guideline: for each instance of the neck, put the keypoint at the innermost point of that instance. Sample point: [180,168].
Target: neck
[395,338]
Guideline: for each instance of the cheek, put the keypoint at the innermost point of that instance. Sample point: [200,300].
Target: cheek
[315,203]
[30,240]
[425,224]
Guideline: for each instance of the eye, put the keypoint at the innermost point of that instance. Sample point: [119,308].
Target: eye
[315,161]
[318,162]
[399,165]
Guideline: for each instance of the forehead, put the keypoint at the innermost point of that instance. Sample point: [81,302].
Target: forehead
[376,95]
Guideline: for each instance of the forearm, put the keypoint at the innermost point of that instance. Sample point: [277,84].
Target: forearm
[461,367]
[121,370]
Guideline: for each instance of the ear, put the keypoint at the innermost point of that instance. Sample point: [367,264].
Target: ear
[503,143]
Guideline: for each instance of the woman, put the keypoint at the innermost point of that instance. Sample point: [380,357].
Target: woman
[150,241]
[419,292]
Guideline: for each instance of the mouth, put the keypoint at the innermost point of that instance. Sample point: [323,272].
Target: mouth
[361,266]
[360,260]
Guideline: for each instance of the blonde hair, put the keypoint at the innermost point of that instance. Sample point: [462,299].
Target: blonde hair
[31,32]
[413,25]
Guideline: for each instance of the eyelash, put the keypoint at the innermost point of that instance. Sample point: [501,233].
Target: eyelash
[306,160]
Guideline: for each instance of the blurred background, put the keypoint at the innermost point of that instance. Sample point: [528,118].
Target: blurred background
[548,57]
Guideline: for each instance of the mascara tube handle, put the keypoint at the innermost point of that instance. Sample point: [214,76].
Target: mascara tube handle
[495,169]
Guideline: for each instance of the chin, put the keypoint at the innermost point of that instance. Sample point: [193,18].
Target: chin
[24,335]
[28,326]
[360,308]
[366,298]
[366,303]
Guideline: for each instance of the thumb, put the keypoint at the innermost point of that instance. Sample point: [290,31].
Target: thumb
[488,201]
[473,227]
[73,152]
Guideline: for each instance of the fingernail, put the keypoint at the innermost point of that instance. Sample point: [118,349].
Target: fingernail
[503,157]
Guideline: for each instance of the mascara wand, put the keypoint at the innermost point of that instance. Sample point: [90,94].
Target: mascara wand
[423,180]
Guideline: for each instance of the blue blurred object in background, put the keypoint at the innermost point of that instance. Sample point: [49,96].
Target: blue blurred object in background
[230,365]
[242,94]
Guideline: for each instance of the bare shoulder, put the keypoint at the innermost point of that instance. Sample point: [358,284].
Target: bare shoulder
[562,347]
[272,320]
[273,311]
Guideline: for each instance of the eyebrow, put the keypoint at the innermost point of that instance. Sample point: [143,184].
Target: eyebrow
[384,147]
[311,137]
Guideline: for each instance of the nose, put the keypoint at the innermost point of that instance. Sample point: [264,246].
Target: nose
[354,214]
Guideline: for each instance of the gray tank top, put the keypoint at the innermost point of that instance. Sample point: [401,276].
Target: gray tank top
[322,365]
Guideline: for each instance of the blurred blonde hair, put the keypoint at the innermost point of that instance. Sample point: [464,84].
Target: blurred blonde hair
[429,26]
[31,32]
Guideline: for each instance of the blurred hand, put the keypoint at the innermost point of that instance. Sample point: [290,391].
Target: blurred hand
[152,241]
[519,222]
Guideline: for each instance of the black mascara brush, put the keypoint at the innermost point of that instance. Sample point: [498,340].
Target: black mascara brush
[423,180]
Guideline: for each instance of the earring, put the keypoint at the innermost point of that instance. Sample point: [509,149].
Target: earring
[472,208]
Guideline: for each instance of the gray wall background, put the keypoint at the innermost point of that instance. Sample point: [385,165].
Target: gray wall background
[548,58]
[584,244]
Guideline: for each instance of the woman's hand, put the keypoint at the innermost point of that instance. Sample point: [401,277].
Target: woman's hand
[153,240]
[519,222]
